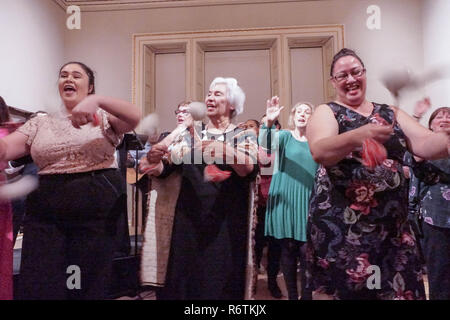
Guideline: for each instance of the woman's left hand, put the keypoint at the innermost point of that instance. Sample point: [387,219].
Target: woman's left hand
[421,107]
[85,112]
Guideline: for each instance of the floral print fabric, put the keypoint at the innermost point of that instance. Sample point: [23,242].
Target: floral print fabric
[360,243]
[430,191]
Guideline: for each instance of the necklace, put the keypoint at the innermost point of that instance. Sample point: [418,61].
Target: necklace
[222,133]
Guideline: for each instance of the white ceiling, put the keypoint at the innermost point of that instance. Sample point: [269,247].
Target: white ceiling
[106,5]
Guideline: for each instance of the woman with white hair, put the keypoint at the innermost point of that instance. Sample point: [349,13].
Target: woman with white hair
[290,188]
[216,162]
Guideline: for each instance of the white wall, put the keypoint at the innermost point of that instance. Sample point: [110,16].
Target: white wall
[32,50]
[105,38]
[436,32]
[35,41]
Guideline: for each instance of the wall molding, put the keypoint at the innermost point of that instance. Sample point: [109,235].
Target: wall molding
[279,40]
[114,5]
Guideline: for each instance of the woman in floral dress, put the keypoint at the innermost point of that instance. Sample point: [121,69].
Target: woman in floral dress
[360,243]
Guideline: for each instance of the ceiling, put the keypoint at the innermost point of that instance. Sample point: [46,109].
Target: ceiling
[107,5]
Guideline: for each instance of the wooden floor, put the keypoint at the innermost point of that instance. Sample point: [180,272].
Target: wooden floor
[262,291]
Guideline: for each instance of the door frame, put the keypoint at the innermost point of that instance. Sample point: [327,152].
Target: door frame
[194,44]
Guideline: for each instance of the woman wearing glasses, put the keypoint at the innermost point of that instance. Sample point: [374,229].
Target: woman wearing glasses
[360,242]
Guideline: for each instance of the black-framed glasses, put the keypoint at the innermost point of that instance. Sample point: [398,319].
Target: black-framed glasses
[177,112]
[355,73]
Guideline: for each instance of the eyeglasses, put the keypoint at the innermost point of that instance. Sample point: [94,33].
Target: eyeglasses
[355,73]
[177,112]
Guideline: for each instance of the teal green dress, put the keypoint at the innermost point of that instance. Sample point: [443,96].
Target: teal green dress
[291,186]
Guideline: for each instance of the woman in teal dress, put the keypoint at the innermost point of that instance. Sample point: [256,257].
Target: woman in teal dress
[290,189]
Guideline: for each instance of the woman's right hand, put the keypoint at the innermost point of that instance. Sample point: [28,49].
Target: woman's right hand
[380,133]
[156,153]
[153,169]
[273,110]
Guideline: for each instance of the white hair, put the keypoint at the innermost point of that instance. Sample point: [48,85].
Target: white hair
[235,95]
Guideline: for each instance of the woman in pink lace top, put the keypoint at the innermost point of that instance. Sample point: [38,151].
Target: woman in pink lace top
[69,229]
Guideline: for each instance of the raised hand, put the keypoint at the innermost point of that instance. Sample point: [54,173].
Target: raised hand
[421,107]
[273,110]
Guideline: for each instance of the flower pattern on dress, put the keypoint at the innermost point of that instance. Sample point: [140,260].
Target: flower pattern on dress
[362,196]
[429,191]
[445,193]
[358,218]
[360,274]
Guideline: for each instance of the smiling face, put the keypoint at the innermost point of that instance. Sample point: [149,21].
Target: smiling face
[301,115]
[349,80]
[440,121]
[217,103]
[73,85]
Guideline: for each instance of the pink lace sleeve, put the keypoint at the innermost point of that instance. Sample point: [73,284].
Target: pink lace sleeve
[30,129]
[108,130]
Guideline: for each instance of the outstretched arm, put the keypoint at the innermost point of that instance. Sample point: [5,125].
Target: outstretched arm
[421,141]
[13,146]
